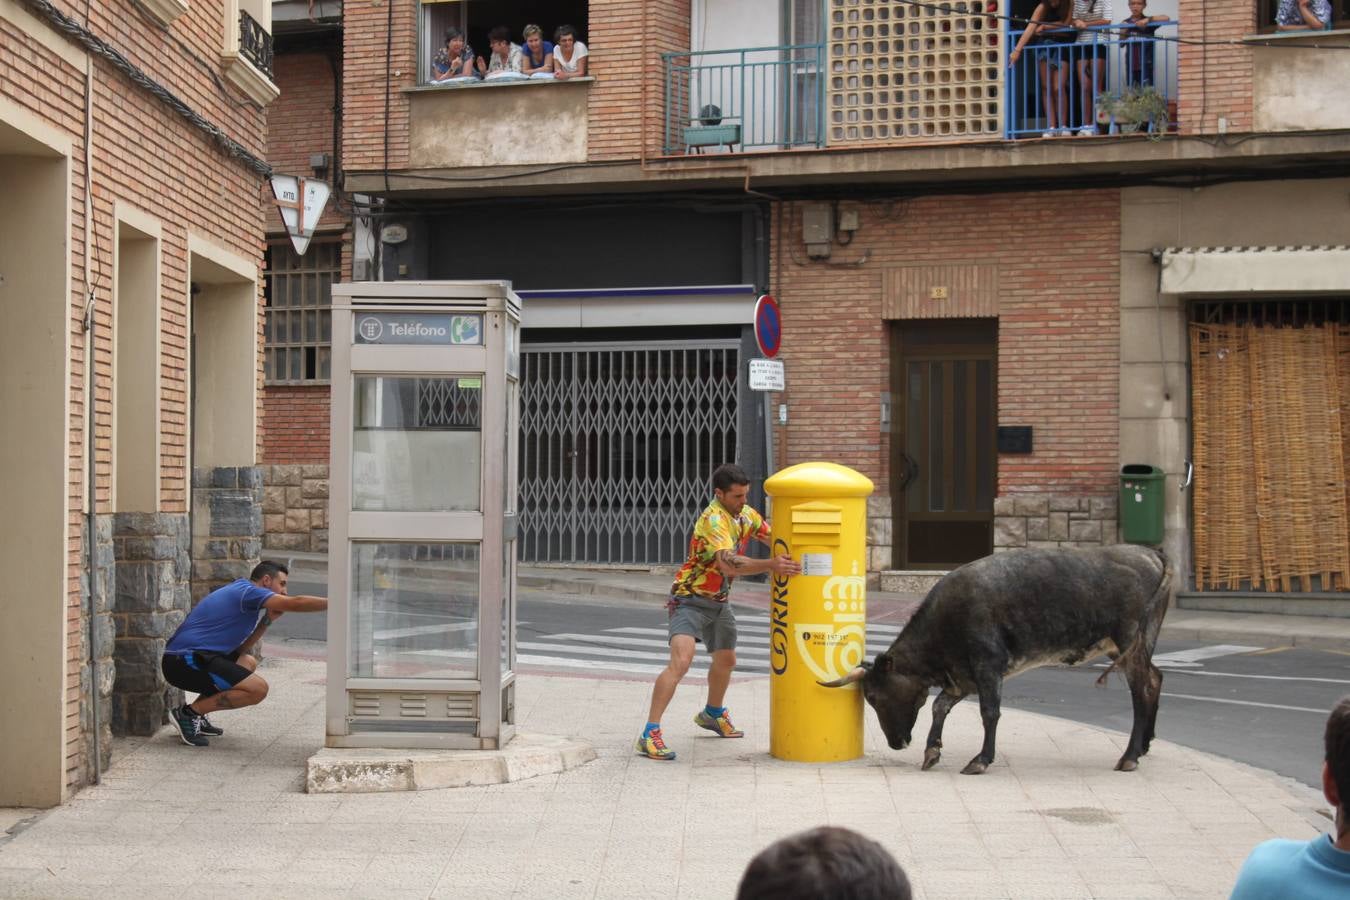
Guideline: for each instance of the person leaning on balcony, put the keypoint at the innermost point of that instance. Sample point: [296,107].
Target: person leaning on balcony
[537,54]
[504,55]
[1139,43]
[1050,24]
[1303,15]
[569,55]
[454,60]
[1088,14]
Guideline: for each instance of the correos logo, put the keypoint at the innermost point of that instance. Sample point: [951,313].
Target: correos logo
[370,329]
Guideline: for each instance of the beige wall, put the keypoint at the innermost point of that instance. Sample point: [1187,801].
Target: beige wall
[1154,354]
[498,125]
[225,357]
[136,358]
[34,378]
[1301,89]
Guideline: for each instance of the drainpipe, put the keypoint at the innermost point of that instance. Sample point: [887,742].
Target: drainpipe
[90,498]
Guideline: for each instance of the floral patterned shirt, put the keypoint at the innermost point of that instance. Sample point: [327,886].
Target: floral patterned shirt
[1288,13]
[716,530]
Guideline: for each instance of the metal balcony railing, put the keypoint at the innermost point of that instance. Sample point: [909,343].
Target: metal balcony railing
[754,98]
[255,44]
[1105,85]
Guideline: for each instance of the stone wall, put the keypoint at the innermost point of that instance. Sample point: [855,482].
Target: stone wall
[1054,520]
[96,599]
[295,508]
[227,525]
[880,527]
[150,602]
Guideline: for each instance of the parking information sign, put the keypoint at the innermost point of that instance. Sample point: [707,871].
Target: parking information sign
[767,375]
[768,327]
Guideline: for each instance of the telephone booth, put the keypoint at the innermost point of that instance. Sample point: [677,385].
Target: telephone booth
[422,515]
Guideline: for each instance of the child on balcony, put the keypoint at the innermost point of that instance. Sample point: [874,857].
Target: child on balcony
[569,56]
[1049,28]
[454,60]
[505,58]
[537,54]
[1138,40]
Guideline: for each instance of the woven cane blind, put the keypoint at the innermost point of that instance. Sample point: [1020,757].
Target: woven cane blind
[1271,415]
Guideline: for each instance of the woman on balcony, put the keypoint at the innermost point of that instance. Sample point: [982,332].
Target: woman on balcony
[454,60]
[569,56]
[1087,15]
[536,56]
[1049,28]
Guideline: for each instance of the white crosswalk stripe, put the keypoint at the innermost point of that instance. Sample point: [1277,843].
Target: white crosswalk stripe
[643,651]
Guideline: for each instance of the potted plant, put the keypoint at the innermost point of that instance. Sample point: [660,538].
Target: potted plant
[1133,106]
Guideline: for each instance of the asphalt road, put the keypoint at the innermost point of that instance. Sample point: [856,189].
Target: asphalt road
[1262,705]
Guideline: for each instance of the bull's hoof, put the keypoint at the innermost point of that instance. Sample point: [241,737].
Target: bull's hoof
[1127,765]
[976,766]
[931,757]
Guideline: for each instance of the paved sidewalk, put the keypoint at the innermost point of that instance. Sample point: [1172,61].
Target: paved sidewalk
[1049,820]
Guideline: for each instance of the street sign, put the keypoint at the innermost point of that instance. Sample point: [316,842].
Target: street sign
[767,375]
[301,201]
[768,326]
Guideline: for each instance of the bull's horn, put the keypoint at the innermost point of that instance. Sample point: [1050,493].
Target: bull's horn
[856,675]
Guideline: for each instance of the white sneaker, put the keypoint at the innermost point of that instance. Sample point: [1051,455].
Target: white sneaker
[1064,131]
[1049,134]
[1087,131]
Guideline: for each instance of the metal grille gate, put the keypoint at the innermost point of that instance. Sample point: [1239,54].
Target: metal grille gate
[617,443]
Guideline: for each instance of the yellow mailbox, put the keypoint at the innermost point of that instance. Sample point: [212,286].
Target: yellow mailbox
[818,619]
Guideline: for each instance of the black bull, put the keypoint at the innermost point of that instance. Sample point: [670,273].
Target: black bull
[1013,611]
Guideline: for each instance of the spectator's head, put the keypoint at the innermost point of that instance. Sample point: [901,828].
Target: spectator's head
[824,862]
[454,40]
[534,37]
[1136,8]
[1336,771]
[500,39]
[565,37]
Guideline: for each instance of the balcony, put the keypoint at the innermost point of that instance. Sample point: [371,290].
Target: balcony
[247,52]
[1117,82]
[950,83]
[749,99]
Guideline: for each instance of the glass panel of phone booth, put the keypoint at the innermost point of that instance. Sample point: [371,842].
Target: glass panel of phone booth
[414,610]
[416,443]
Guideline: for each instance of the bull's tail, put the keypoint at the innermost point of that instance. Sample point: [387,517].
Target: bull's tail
[1150,624]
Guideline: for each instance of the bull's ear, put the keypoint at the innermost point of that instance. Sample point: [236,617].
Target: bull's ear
[883,664]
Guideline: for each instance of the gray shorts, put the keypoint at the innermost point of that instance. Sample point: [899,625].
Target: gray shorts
[707,620]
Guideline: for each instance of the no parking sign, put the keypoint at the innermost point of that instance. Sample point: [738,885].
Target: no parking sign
[768,326]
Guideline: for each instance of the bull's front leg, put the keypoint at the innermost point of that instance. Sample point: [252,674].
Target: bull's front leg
[941,706]
[990,688]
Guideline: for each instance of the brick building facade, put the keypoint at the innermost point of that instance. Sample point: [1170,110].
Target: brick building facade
[131,160]
[946,218]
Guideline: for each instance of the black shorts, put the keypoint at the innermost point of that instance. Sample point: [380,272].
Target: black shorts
[203,672]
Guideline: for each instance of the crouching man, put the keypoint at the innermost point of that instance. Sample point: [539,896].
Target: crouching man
[208,654]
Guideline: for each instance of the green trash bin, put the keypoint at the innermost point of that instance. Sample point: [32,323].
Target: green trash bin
[1141,503]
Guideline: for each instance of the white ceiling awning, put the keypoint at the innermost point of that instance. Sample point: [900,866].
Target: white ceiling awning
[728,304]
[1228,271]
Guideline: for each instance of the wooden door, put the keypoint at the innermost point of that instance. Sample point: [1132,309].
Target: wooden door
[943,459]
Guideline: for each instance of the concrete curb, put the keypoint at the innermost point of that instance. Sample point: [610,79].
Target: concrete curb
[368,771]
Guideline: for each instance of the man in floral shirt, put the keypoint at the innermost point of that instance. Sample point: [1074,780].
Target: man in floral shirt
[698,605]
